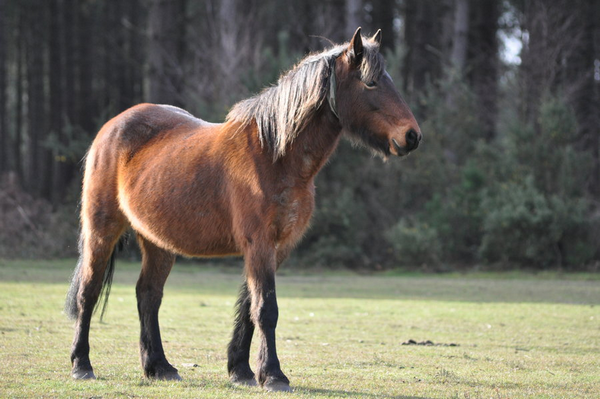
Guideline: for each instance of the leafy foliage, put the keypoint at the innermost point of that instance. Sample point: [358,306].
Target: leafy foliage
[526,226]
[415,243]
[518,200]
[465,197]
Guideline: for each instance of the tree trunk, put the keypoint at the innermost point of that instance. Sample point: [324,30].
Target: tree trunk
[483,62]
[136,53]
[56,98]
[333,22]
[67,165]
[129,60]
[423,30]
[38,160]
[20,77]
[583,74]
[122,94]
[87,107]
[353,17]
[460,35]
[3,104]
[164,35]
[109,102]
[383,18]
[69,32]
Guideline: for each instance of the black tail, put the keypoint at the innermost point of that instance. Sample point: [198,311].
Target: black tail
[107,283]
[71,301]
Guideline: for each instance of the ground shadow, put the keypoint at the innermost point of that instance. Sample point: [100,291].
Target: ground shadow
[349,394]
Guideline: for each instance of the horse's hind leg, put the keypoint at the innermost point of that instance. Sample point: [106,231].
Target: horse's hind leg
[238,352]
[97,246]
[156,266]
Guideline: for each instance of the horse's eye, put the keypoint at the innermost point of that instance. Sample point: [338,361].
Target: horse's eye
[371,84]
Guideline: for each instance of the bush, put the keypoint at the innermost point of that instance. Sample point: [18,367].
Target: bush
[523,225]
[31,228]
[457,216]
[338,232]
[415,243]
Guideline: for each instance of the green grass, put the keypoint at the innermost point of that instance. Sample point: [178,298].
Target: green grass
[340,334]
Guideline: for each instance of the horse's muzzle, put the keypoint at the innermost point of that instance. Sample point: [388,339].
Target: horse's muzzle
[412,142]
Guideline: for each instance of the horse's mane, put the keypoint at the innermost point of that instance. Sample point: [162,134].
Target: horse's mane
[283,110]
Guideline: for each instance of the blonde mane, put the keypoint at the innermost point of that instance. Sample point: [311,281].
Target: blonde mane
[283,110]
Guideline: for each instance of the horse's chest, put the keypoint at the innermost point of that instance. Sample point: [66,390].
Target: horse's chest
[293,210]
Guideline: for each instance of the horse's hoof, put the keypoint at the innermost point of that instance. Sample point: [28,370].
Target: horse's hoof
[246,382]
[169,376]
[83,375]
[277,386]
[242,376]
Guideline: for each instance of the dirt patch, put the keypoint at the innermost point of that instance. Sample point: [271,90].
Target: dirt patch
[426,343]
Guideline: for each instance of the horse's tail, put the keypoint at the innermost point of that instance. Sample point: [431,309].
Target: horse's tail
[71,301]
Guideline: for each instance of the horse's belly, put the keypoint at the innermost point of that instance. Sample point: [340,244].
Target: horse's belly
[184,233]
[182,219]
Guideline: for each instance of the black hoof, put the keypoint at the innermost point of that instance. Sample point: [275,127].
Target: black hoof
[164,372]
[83,374]
[243,376]
[247,382]
[168,376]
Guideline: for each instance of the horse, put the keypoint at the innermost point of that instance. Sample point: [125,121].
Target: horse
[244,187]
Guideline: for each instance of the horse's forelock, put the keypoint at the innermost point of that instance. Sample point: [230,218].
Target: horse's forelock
[372,66]
[282,111]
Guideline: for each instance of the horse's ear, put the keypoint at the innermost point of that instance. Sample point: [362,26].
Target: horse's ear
[377,37]
[355,49]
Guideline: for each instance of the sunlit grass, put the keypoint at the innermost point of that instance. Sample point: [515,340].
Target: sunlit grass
[339,335]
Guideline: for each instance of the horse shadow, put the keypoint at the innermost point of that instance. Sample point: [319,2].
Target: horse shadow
[349,394]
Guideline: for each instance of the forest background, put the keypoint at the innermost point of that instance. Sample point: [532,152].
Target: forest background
[507,93]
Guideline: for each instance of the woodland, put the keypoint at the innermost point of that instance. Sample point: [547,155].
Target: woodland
[506,92]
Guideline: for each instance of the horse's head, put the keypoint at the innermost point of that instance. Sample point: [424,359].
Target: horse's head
[368,105]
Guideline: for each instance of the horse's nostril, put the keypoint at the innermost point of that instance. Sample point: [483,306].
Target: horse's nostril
[412,140]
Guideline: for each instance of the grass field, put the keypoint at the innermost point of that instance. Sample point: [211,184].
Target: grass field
[340,335]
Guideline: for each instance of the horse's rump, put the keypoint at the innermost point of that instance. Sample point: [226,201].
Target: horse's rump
[158,165]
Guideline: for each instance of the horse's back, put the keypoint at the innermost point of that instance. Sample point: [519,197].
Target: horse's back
[158,116]
[135,127]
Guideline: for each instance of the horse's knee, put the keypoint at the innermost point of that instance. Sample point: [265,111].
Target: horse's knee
[263,309]
[268,314]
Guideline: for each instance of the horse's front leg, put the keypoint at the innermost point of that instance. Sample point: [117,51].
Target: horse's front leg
[260,265]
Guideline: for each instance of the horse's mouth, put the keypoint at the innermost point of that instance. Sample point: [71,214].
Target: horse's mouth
[398,150]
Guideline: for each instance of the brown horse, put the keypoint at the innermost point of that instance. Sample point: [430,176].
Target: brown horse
[243,187]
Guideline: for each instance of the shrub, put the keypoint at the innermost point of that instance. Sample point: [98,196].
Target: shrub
[31,228]
[525,226]
[338,232]
[415,243]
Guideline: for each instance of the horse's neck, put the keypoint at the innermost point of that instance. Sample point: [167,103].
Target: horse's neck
[313,146]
